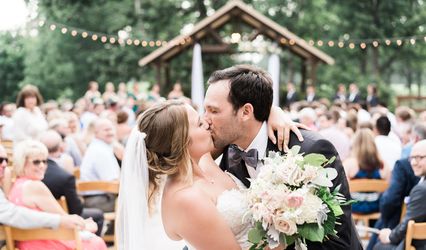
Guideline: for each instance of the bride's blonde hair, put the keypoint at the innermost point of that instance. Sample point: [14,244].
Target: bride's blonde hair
[166,126]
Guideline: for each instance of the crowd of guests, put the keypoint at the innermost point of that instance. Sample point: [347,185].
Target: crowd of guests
[53,139]
[373,143]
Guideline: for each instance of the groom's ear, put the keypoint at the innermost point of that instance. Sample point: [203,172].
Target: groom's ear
[247,111]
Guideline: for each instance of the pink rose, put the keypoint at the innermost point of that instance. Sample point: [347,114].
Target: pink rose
[287,227]
[294,201]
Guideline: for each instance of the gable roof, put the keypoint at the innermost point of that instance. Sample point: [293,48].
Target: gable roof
[238,9]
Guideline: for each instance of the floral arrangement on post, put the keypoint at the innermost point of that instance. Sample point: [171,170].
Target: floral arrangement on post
[290,200]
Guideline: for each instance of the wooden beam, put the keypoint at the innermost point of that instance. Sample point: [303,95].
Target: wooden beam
[221,48]
[215,35]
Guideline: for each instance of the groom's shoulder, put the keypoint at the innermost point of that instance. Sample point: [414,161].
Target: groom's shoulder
[311,140]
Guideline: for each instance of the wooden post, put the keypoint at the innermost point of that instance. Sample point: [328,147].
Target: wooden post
[304,76]
[158,68]
[313,71]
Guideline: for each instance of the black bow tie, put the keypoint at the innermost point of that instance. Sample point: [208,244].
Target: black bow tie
[235,155]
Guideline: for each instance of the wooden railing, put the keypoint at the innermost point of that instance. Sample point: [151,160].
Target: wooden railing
[417,103]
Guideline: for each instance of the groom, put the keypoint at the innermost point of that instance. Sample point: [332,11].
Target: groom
[238,101]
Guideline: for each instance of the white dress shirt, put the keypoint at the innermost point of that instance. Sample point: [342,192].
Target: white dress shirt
[260,142]
[389,149]
[99,163]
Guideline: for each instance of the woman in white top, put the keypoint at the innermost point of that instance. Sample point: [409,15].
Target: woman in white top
[28,119]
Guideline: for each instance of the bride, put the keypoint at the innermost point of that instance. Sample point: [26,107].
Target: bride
[200,203]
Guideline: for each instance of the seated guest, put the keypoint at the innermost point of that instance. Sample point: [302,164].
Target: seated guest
[402,181]
[25,218]
[389,148]
[416,207]
[62,183]
[30,158]
[99,164]
[365,163]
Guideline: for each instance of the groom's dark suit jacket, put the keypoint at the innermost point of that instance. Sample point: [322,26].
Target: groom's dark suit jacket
[314,143]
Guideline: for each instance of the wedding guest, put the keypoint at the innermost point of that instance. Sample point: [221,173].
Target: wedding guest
[176,92]
[30,158]
[123,128]
[25,218]
[335,135]
[310,94]
[109,92]
[416,207]
[402,181]
[291,96]
[372,98]
[354,96]
[154,95]
[308,117]
[92,91]
[94,110]
[29,121]
[364,162]
[389,148]
[104,168]
[62,183]
[122,91]
[6,111]
[340,93]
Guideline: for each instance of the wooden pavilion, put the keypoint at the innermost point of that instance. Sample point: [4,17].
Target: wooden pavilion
[209,28]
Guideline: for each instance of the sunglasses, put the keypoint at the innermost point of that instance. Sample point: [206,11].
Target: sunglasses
[4,159]
[38,162]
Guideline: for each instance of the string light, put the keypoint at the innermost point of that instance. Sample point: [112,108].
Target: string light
[113,39]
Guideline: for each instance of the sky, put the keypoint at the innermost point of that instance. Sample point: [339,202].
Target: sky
[13,14]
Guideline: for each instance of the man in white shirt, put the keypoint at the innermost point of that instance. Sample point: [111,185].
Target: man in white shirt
[100,164]
[389,149]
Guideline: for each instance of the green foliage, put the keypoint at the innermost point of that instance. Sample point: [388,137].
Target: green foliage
[63,65]
[311,232]
[11,64]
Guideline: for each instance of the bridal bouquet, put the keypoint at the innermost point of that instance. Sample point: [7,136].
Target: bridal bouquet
[290,201]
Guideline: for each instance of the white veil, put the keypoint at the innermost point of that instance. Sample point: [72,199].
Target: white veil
[133,210]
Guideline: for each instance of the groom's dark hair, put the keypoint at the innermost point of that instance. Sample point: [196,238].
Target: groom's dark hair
[248,84]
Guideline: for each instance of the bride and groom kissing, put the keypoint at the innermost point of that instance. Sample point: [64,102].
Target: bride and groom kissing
[201,202]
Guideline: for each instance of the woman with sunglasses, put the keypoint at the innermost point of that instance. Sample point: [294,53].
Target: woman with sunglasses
[30,163]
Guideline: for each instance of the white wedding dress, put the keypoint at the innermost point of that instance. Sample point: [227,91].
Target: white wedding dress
[232,205]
